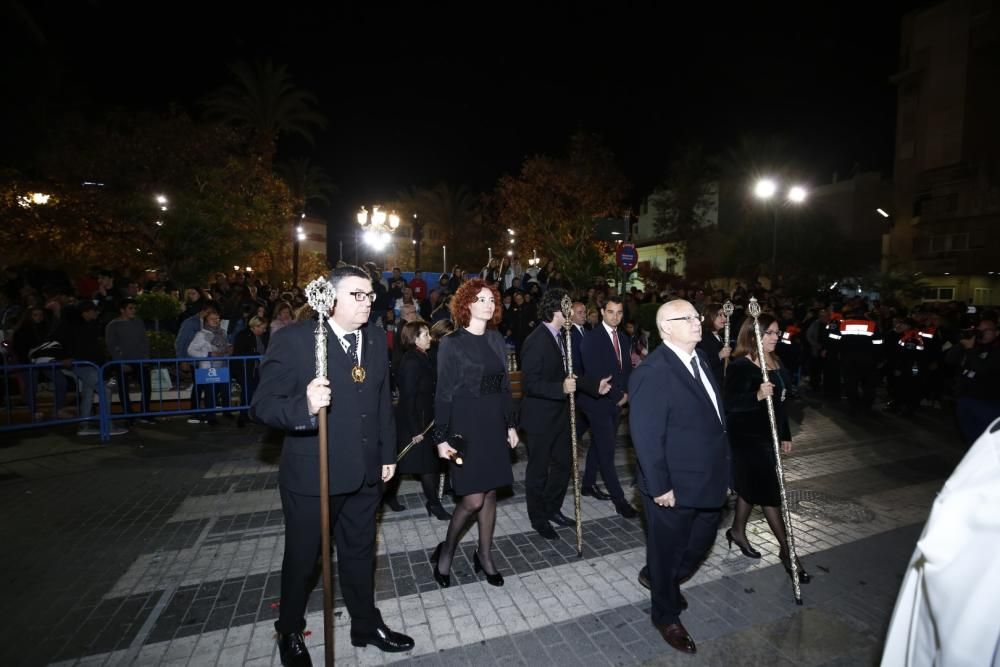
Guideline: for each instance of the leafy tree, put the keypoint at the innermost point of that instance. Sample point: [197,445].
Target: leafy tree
[552,203]
[223,205]
[307,182]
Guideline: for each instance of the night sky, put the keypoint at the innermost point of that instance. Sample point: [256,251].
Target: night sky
[416,95]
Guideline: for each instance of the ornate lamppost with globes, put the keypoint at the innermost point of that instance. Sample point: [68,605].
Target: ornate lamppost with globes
[377,227]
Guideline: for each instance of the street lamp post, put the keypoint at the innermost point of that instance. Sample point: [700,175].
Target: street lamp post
[377,227]
[765,189]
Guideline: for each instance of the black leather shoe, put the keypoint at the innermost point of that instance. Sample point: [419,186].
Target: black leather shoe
[395,505]
[495,579]
[804,577]
[545,529]
[292,647]
[561,519]
[594,492]
[745,547]
[437,510]
[625,509]
[384,639]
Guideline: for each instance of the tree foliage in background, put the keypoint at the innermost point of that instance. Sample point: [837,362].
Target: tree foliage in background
[552,204]
[223,203]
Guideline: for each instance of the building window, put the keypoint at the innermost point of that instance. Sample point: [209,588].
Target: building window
[939,294]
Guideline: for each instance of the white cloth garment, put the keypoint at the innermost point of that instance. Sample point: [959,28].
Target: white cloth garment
[948,610]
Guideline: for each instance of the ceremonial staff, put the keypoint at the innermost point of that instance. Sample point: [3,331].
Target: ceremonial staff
[727,310]
[321,295]
[754,309]
[567,310]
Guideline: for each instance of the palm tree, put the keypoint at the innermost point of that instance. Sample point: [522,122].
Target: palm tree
[263,100]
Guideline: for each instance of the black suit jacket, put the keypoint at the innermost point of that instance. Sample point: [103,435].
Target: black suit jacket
[712,346]
[544,406]
[599,362]
[577,341]
[361,430]
[680,442]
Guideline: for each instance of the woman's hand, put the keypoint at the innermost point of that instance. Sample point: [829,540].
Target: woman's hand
[512,437]
[766,389]
[786,446]
[725,352]
[445,450]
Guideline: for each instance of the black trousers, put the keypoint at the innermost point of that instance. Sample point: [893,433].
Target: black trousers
[601,455]
[352,523]
[859,379]
[677,540]
[547,476]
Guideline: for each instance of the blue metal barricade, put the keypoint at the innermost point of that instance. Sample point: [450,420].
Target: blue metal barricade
[36,395]
[214,385]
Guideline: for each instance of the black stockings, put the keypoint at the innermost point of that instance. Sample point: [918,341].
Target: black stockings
[774,521]
[484,507]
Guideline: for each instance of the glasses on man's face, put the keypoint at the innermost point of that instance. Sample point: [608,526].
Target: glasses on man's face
[690,319]
[361,296]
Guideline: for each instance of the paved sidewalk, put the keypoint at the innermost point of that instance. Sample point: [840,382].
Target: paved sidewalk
[164,547]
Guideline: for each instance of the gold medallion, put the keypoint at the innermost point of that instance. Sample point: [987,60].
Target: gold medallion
[358,374]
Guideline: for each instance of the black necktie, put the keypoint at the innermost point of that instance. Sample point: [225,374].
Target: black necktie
[562,350]
[694,367]
[352,341]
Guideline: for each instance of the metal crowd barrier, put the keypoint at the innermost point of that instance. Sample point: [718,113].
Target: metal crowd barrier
[35,382]
[163,387]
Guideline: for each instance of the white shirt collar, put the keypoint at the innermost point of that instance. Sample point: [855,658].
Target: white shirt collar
[340,332]
[686,357]
[611,332]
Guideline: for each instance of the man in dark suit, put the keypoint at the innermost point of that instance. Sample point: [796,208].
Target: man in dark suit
[362,453]
[678,427]
[546,386]
[605,353]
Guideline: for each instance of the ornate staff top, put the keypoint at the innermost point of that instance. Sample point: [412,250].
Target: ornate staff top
[753,307]
[321,295]
[567,310]
[727,310]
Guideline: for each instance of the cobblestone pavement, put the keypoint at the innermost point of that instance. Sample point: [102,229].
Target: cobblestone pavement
[165,546]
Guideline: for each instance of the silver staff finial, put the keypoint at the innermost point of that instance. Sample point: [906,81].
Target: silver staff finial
[753,308]
[321,295]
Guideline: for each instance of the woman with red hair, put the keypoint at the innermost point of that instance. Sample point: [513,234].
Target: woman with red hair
[473,405]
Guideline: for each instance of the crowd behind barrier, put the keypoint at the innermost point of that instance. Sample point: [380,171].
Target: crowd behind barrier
[129,389]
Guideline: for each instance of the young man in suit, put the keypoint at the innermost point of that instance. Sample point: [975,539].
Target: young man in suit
[547,385]
[362,453]
[678,427]
[606,353]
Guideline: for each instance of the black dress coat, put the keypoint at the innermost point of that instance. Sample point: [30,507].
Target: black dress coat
[754,474]
[360,425]
[415,410]
[473,400]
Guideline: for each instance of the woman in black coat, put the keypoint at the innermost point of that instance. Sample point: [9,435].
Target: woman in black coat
[415,378]
[713,325]
[755,478]
[473,400]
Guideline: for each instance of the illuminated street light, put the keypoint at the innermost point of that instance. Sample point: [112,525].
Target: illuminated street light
[33,199]
[378,226]
[882,212]
[765,189]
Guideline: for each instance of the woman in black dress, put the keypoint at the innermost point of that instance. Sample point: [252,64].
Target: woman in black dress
[474,401]
[713,324]
[415,378]
[754,474]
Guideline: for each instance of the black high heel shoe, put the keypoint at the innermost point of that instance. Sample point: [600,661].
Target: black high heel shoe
[745,549]
[436,510]
[443,580]
[804,577]
[495,579]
